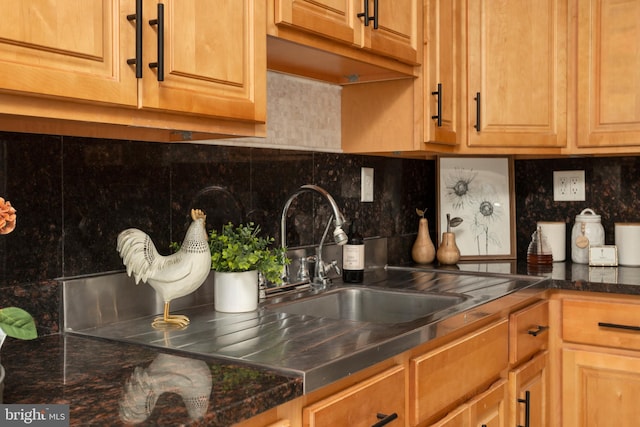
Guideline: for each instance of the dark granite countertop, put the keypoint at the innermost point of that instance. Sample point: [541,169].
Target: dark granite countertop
[101,379]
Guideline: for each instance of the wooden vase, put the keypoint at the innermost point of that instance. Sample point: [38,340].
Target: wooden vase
[423,250]
[448,252]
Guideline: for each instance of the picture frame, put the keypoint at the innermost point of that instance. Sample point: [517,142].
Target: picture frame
[480,190]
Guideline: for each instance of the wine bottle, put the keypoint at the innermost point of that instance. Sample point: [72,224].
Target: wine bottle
[353,256]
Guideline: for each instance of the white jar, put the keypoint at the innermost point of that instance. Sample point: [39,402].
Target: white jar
[587,231]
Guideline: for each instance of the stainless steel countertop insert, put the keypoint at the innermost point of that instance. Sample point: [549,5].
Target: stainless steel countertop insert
[322,350]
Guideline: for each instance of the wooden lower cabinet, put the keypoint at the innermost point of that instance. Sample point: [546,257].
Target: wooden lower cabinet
[600,360]
[465,382]
[444,378]
[529,386]
[487,410]
[364,404]
[457,418]
[490,408]
[529,393]
[600,388]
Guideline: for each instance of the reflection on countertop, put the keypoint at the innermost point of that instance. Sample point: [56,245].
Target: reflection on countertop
[187,377]
[102,380]
[568,275]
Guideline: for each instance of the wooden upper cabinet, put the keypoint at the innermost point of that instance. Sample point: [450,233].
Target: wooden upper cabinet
[396,36]
[397,33]
[68,48]
[74,61]
[444,68]
[329,18]
[214,59]
[517,62]
[608,80]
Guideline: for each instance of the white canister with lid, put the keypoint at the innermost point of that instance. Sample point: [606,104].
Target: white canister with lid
[587,231]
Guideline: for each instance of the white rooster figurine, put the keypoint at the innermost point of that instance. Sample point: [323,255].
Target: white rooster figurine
[170,276]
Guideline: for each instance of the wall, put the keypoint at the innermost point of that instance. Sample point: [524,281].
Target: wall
[74,195]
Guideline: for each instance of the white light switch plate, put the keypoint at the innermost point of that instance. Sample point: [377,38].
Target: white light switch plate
[366,185]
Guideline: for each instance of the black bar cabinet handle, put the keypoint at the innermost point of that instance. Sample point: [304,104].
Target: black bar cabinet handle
[366,16]
[527,408]
[537,331]
[477,98]
[618,326]
[375,14]
[384,419]
[160,23]
[138,18]
[438,93]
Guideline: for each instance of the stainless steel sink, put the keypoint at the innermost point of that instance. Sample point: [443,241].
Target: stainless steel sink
[370,305]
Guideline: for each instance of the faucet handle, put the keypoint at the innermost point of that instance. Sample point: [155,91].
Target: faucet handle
[334,265]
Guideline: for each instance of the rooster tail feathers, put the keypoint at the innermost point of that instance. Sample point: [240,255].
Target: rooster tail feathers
[138,253]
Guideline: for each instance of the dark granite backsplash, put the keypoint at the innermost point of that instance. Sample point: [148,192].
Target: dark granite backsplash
[74,195]
[612,190]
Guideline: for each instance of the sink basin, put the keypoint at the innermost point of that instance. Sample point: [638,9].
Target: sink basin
[369,305]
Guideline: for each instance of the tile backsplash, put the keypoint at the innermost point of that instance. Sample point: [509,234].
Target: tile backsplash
[74,195]
[612,191]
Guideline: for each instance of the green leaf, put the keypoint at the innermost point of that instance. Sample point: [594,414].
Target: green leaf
[454,222]
[17,323]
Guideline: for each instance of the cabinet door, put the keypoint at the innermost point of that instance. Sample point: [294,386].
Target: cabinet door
[490,408]
[395,37]
[444,29]
[517,63]
[529,393]
[600,388]
[608,80]
[486,410]
[360,404]
[397,32]
[74,49]
[328,18]
[436,387]
[459,417]
[214,59]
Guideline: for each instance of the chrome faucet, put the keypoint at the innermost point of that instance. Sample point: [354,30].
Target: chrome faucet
[339,236]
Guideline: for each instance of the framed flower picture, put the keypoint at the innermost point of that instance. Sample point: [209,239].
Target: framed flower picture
[479,190]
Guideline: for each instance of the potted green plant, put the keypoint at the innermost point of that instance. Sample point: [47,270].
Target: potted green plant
[238,253]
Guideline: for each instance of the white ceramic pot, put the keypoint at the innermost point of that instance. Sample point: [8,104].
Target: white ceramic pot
[235,292]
